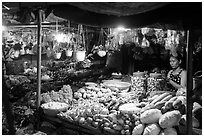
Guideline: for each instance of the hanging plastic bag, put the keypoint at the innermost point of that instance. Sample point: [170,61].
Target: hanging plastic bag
[144,30]
[121,39]
[145,42]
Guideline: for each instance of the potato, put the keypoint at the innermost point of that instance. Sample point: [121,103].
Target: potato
[89,120]
[104,111]
[82,120]
[95,124]
[105,120]
[170,119]
[169,131]
[108,129]
[100,94]
[152,129]
[121,121]
[122,132]
[88,112]
[117,127]
[126,127]
[127,132]
[106,124]
[81,90]
[150,116]
[138,130]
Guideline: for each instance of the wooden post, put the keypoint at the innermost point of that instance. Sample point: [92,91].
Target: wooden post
[39,58]
[189,83]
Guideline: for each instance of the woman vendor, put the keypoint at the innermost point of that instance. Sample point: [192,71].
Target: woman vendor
[176,77]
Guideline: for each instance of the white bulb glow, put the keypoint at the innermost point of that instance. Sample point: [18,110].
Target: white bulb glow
[121,28]
[4,28]
[59,37]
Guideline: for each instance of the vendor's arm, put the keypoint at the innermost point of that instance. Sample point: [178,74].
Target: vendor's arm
[168,75]
[183,81]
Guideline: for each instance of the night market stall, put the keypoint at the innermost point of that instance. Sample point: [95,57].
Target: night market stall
[101,69]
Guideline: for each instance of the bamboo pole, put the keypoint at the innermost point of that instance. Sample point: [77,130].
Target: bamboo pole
[189,83]
[39,58]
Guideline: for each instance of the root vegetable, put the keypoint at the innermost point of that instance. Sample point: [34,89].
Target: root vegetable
[95,124]
[177,103]
[150,116]
[169,131]
[170,119]
[138,130]
[167,98]
[159,98]
[169,104]
[159,105]
[152,129]
[104,111]
[117,127]
[108,129]
[126,127]
[164,109]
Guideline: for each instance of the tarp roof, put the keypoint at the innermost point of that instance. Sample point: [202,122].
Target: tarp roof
[171,15]
[186,15]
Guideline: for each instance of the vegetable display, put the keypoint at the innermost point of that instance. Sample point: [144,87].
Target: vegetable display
[114,110]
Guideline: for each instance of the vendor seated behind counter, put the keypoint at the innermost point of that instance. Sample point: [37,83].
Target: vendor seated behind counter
[176,78]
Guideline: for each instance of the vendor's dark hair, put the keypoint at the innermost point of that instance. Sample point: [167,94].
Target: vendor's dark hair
[178,56]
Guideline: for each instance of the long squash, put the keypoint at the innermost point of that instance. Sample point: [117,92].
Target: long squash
[169,104]
[151,105]
[167,98]
[159,105]
[152,98]
[159,98]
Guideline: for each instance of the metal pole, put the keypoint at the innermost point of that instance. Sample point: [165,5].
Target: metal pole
[189,83]
[39,58]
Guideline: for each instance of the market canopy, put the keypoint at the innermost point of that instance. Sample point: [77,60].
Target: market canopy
[174,15]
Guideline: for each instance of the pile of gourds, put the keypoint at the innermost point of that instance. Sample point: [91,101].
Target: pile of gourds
[162,114]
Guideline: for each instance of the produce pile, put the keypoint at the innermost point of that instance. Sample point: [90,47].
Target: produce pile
[146,84]
[94,114]
[139,84]
[161,113]
[117,110]
[155,84]
[16,80]
[104,95]
[64,95]
[164,114]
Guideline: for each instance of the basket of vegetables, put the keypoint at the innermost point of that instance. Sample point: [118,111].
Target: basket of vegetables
[53,108]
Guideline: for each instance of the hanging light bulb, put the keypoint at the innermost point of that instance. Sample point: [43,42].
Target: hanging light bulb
[121,28]
[59,37]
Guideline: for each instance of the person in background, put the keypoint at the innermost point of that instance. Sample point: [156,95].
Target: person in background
[177,76]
